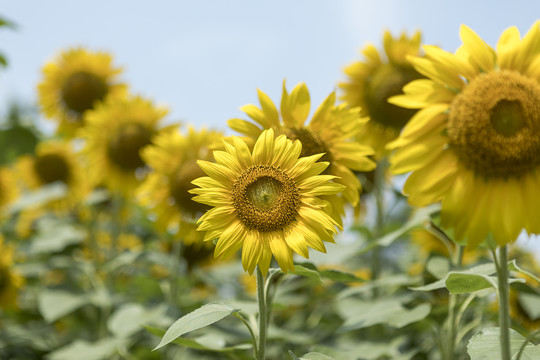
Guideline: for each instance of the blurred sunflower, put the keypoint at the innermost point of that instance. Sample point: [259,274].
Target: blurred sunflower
[116,131]
[165,192]
[10,281]
[330,132]
[475,143]
[372,82]
[74,83]
[265,201]
[54,161]
[8,187]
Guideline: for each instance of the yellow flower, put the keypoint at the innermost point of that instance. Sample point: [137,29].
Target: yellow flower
[74,83]
[265,202]
[165,192]
[475,143]
[10,281]
[54,161]
[115,133]
[8,187]
[372,82]
[330,131]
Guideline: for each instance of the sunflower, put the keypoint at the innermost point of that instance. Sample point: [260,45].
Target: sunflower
[265,201]
[116,131]
[475,143]
[8,188]
[371,83]
[54,161]
[165,192]
[330,131]
[74,83]
[10,281]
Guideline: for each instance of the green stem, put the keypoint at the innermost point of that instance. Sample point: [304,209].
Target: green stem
[379,181]
[261,297]
[501,264]
[452,320]
[175,268]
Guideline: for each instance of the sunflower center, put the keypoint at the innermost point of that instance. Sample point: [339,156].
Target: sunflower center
[265,198]
[81,90]
[181,184]
[124,146]
[311,144]
[51,167]
[388,80]
[494,124]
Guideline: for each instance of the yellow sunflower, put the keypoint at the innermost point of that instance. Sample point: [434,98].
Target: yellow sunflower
[10,281]
[265,201]
[8,187]
[165,192]
[372,82]
[475,143]
[54,161]
[115,133]
[331,131]
[74,83]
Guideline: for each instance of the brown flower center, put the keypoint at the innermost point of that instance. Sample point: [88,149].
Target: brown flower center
[52,167]
[81,90]
[387,81]
[494,124]
[312,144]
[265,198]
[124,146]
[181,184]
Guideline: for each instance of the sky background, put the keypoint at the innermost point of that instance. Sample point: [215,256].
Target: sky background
[204,59]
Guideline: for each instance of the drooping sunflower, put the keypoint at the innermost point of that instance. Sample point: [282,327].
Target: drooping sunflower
[265,202]
[54,161]
[115,133]
[372,82]
[173,159]
[10,281]
[74,83]
[475,143]
[331,131]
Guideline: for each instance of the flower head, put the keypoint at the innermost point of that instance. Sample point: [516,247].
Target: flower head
[329,132]
[265,202]
[372,82]
[475,143]
[74,83]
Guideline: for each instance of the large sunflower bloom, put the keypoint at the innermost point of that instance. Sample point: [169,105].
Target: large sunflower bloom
[10,281]
[330,131]
[475,143]
[265,201]
[116,131]
[74,83]
[372,82]
[165,192]
[54,161]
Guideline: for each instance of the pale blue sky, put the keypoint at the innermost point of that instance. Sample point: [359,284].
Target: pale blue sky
[205,59]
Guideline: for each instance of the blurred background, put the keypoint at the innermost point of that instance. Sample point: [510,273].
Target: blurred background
[205,59]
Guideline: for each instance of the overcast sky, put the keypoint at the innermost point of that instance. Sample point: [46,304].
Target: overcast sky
[205,59]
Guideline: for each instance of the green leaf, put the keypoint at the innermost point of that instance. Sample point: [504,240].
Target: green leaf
[360,314]
[84,350]
[129,319]
[339,276]
[485,345]
[513,266]
[203,316]
[308,270]
[54,304]
[531,304]
[310,356]
[201,343]
[43,195]
[418,219]
[54,235]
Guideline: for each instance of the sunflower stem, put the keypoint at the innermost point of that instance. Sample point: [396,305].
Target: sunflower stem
[453,319]
[261,298]
[501,264]
[379,181]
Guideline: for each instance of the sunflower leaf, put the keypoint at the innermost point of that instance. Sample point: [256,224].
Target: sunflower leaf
[310,356]
[513,266]
[199,318]
[485,345]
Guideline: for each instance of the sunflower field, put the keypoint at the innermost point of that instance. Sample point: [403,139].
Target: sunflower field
[389,221]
